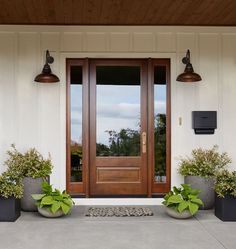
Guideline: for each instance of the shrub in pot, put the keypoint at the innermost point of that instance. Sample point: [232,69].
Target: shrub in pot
[52,203]
[11,190]
[225,200]
[183,202]
[200,169]
[33,168]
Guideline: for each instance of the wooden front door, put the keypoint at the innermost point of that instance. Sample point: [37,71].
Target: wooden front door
[118,127]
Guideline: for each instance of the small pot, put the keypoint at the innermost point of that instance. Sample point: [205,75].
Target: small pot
[206,186]
[175,214]
[47,213]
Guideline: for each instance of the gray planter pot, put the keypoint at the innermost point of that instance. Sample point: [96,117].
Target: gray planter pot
[184,215]
[206,186]
[31,186]
[47,213]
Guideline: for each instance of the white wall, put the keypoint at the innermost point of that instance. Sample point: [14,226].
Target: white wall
[34,114]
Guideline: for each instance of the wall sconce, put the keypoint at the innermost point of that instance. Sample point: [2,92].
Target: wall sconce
[188,75]
[47,76]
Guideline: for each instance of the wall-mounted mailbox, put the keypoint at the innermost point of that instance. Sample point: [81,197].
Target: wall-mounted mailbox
[204,122]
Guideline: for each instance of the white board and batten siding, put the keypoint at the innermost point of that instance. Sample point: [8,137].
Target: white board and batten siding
[33,115]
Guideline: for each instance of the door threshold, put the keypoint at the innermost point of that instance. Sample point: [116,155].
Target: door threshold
[117,201]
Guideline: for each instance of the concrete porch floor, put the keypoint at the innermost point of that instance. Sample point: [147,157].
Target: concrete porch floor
[31,231]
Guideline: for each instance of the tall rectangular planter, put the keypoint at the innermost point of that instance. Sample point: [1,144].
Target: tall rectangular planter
[225,208]
[9,209]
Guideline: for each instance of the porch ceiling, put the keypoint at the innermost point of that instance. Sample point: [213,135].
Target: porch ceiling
[119,12]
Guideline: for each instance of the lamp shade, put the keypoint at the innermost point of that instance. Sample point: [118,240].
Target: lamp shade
[189,75]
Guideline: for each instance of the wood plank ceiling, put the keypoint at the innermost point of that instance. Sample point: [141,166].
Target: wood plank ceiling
[119,12]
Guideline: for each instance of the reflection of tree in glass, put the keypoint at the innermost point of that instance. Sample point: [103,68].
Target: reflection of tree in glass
[126,142]
[76,162]
[160,145]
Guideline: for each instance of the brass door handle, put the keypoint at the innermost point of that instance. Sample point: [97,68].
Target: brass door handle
[144,142]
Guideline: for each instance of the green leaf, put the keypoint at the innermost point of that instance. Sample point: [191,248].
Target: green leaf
[185,186]
[175,199]
[58,198]
[57,191]
[65,195]
[190,197]
[55,206]
[47,200]
[197,201]
[193,208]
[68,202]
[65,208]
[37,197]
[182,206]
[176,190]
[195,192]
[46,187]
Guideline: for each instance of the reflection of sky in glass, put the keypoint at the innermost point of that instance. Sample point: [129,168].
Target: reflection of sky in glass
[76,113]
[118,106]
[159,99]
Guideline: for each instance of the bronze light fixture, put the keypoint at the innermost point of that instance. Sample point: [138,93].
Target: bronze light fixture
[47,76]
[188,75]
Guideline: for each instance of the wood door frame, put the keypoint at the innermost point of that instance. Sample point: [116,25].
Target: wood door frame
[157,188]
[143,97]
[153,188]
[75,188]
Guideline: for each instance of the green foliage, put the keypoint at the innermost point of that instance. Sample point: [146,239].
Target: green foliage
[204,163]
[225,183]
[10,185]
[53,200]
[76,149]
[126,142]
[30,164]
[160,144]
[183,198]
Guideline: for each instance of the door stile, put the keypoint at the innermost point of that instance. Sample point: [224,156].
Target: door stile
[150,127]
[86,122]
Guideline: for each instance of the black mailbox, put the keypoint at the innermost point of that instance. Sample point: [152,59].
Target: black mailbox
[204,122]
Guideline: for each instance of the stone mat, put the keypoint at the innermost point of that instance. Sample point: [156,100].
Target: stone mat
[119,211]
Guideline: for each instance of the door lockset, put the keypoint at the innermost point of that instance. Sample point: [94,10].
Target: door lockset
[144,142]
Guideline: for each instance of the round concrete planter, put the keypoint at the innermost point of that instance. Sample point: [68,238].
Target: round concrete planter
[48,214]
[31,186]
[206,186]
[173,213]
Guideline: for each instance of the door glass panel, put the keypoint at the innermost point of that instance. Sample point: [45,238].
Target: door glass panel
[76,123]
[118,111]
[160,123]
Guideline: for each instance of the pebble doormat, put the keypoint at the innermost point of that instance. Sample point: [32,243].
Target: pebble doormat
[118,212]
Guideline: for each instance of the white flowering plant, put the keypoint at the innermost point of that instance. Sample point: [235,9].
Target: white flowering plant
[204,163]
[10,186]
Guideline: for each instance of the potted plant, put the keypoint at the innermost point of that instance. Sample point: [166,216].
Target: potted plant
[33,168]
[183,202]
[11,190]
[200,169]
[225,200]
[52,203]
